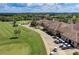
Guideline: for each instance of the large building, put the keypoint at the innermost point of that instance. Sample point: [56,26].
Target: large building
[68,32]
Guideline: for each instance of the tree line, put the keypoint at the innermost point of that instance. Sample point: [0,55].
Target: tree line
[65,17]
[19,17]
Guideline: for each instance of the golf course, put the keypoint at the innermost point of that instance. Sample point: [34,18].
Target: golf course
[28,42]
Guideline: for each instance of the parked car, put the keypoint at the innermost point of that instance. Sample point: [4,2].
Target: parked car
[57,41]
[57,38]
[64,47]
[55,49]
[61,41]
[54,37]
[61,45]
[68,45]
[52,53]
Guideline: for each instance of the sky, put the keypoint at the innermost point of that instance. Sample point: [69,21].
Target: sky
[39,7]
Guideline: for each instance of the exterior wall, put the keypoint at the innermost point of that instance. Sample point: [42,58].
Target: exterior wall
[78,45]
[75,44]
[63,37]
[58,34]
[67,40]
[52,32]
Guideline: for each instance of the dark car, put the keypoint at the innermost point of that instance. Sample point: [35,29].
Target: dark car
[55,49]
[54,37]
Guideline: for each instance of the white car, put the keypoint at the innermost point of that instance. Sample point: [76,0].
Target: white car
[69,46]
[64,47]
[61,45]
[57,37]
[62,41]
[52,53]
[66,43]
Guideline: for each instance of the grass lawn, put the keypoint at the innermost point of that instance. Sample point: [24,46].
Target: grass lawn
[29,42]
[23,22]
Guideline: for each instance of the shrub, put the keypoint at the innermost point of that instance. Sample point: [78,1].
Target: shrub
[76,53]
[34,23]
[17,32]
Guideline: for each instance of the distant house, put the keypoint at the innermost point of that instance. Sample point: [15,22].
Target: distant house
[68,32]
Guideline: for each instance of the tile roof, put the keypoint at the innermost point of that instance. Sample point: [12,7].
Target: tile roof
[71,31]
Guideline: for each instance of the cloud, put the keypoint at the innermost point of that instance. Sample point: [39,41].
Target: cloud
[35,4]
[16,4]
[38,7]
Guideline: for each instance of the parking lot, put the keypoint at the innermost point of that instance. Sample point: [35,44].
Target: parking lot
[50,44]
[62,44]
[59,46]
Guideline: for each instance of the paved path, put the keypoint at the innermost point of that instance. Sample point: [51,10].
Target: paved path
[49,42]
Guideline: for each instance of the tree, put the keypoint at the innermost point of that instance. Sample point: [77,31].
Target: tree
[34,23]
[17,33]
[74,19]
[76,53]
[14,23]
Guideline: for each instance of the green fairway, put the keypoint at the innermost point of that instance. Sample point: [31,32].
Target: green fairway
[29,42]
[23,22]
